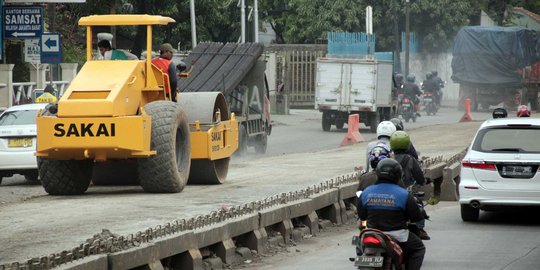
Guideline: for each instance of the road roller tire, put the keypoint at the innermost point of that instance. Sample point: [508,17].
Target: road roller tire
[208,172]
[168,170]
[65,177]
[116,172]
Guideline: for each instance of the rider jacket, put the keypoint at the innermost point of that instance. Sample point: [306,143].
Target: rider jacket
[430,86]
[411,90]
[387,206]
[412,173]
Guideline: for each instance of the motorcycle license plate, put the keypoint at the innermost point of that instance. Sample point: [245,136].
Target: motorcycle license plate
[428,100]
[406,105]
[369,261]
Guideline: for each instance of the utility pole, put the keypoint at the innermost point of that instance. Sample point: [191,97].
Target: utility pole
[243,21]
[256,20]
[407,37]
[193,26]
[397,38]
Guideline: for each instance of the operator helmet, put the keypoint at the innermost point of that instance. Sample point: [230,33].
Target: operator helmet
[411,78]
[523,111]
[398,123]
[378,153]
[388,169]
[429,75]
[400,141]
[500,113]
[385,128]
[434,73]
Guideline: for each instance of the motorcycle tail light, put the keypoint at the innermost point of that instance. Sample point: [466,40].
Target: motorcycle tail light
[405,100]
[371,240]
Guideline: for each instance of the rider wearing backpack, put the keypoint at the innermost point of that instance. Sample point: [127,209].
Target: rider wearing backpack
[411,171]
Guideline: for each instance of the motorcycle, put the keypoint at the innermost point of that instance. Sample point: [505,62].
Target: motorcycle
[430,103]
[407,110]
[377,250]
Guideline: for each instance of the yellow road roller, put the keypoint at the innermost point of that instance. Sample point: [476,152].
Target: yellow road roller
[118,112]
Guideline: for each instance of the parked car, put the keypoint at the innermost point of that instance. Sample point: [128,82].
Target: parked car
[501,167]
[18,141]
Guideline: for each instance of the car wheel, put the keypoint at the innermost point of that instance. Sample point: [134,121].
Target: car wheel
[468,213]
[32,176]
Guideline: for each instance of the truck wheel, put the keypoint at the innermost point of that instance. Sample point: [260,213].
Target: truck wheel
[340,123]
[168,170]
[242,141]
[374,122]
[326,122]
[116,172]
[262,142]
[65,177]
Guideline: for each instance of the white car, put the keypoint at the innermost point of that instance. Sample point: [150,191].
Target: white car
[501,167]
[18,141]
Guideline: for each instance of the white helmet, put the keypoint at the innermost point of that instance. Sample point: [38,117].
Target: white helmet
[385,128]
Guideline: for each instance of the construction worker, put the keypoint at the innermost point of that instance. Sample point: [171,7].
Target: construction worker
[164,63]
[109,53]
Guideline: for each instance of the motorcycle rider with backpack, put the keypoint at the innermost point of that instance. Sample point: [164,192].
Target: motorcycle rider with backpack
[412,172]
[388,207]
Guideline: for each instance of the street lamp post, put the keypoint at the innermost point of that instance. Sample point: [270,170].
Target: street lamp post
[407,37]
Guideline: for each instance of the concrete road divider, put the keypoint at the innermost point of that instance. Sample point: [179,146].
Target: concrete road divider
[225,236]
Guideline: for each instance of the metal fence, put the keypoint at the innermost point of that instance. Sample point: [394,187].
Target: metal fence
[24,92]
[296,69]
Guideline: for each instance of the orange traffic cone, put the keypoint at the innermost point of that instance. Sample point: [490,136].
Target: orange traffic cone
[353,134]
[467,116]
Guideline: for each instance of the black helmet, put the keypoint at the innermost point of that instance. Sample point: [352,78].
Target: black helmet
[398,123]
[398,77]
[429,75]
[388,169]
[500,113]
[434,73]
[411,78]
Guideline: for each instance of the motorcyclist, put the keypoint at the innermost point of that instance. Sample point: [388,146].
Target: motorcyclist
[384,131]
[440,85]
[399,126]
[412,172]
[388,207]
[499,113]
[431,86]
[378,153]
[411,91]
[523,111]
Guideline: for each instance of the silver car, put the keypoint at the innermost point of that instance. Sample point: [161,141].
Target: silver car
[500,167]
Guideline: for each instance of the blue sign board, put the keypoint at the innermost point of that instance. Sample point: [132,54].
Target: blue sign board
[1,29]
[23,22]
[51,48]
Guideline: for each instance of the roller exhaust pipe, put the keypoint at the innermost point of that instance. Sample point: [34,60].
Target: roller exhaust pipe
[475,204]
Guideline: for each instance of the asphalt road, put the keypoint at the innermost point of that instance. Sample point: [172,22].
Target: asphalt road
[300,155]
[500,240]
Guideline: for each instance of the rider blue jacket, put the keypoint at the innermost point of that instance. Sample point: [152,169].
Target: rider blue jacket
[387,206]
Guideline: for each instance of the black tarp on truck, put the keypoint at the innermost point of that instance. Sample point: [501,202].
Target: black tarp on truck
[238,71]
[486,60]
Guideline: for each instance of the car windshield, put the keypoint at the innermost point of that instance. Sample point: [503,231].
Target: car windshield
[22,117]
[520,140]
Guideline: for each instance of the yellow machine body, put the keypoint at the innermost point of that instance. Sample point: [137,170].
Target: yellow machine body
[101,114]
